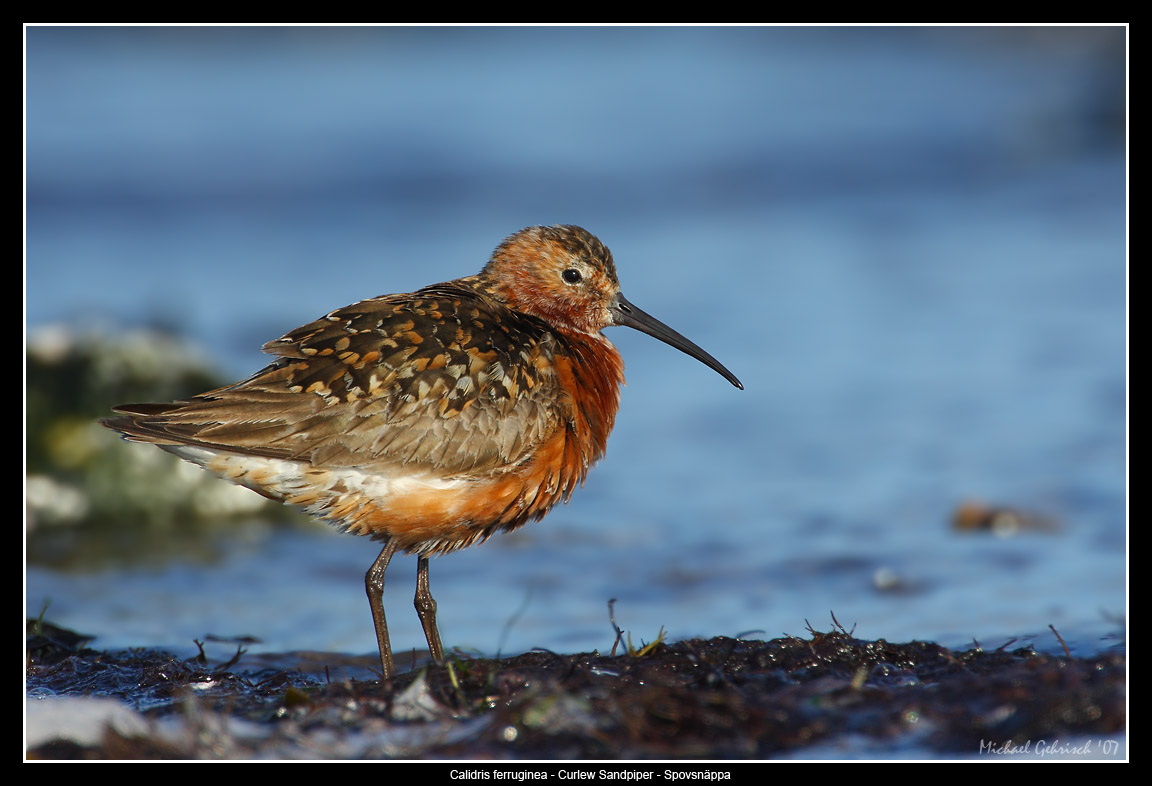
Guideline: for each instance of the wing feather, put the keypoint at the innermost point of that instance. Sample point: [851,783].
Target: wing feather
[441,378]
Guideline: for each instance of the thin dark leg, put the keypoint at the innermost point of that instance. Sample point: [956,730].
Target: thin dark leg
[426,610]
[374,586]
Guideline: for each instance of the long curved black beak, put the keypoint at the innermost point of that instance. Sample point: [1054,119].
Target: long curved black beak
[629,315]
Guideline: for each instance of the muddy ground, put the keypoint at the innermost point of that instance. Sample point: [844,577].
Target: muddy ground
[721,698]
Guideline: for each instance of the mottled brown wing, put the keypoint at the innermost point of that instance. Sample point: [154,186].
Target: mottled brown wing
[439,378]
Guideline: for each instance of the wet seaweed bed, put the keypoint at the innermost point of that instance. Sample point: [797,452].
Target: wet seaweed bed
[721,698]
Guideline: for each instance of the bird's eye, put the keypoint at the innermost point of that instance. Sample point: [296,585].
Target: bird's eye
[572,275]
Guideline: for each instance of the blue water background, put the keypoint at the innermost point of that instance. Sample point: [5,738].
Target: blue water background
[910,245]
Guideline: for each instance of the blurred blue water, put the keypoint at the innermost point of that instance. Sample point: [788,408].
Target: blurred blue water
[909,244]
